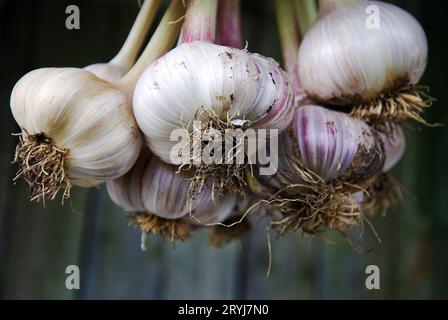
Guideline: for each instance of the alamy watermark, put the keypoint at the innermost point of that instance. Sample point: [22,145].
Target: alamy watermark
[373,17]
[73,20]
[72,281]
[373,278]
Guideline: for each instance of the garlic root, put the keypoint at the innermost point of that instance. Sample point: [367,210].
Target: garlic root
[226,177]
[385,193]
[42,166]
[172,230]
[318,212]
[396,106]
[315,205]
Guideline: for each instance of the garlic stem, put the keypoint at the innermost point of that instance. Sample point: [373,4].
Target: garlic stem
[289,38]
[329,5]
[229,24]
[200,21]
[323,3]
[161,42]
[306,14]
[128,53]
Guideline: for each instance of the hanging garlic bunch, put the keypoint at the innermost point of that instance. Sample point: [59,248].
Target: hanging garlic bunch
[325,158]
[159,196]
[78,129]
[368,56]
[116,68]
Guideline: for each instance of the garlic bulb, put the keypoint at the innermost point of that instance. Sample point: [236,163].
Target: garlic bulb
[78,129]
[373,63]
[155,187]
[172,91]
[225,88]
[160,198]
[325,158]
[123,61]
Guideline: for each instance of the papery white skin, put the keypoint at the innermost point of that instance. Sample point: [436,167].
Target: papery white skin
[394,147]
[153,186]
[82,113]
[340,57]
[175,88]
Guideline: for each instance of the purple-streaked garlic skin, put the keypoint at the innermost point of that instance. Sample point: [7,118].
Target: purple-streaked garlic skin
[324,146]
[343,59]
[195,76]
[394,147]
[329,141]
[331,144]
[165,193]
[153,186]
[200,21]
[229,24]
[125,191]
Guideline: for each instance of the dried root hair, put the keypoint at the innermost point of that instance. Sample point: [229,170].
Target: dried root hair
[398,106]
[229,231]
[385,192]
[314,205]
[224,177]
[42,166]
[166,228]
[314,211]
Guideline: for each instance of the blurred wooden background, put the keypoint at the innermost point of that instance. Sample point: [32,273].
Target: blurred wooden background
[36,243]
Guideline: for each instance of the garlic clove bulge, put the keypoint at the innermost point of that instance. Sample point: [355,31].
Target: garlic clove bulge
[125,191]
[167,195]
[394,147]
[107,71]
[333,145]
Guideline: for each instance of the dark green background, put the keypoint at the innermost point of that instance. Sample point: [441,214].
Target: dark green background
[36,243]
